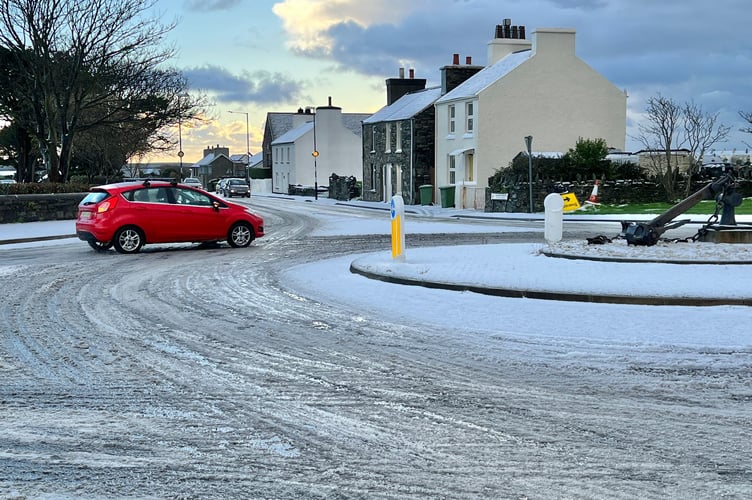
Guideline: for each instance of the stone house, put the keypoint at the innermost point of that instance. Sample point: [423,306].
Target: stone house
[399,139]
[537,88]
[217,163]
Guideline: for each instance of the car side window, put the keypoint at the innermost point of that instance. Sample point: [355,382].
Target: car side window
[191,197]
[148,195]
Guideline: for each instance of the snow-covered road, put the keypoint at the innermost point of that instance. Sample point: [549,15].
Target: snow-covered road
[251,373]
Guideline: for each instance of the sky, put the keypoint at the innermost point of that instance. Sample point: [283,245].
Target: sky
[260,56]
[511,265]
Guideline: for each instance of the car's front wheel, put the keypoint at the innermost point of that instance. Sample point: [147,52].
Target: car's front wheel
[128,239]
[240,235]
[99,246]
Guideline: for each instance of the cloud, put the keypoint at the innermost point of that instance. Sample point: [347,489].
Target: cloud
[307,21]
[685,49]
[259,87]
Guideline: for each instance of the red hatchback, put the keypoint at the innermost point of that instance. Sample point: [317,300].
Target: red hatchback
[128,215]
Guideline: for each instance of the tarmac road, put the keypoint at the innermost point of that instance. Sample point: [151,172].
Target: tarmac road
[195,373]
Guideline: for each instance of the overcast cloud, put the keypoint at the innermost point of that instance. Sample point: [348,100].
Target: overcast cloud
[687,50]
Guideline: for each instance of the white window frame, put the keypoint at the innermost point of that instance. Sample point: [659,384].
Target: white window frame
[398,142]
[452,114]
[387,137]
[452,170]
[469,117]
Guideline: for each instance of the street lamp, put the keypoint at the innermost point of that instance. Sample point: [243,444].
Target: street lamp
[180,133]
[529,144]
[247,141]
[315,155]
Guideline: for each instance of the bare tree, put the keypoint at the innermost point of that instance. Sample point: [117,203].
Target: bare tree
[702,131]
[671,126]
[79,57]
[746,116]
[660,136]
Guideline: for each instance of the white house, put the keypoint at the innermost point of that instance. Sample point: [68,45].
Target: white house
[537,88]
[307,155]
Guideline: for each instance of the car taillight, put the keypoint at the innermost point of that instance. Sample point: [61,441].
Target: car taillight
[106,205]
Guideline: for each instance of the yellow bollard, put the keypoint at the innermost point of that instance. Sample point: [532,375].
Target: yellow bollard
[397,212]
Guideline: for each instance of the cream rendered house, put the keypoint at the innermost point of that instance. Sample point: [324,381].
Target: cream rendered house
[537,88]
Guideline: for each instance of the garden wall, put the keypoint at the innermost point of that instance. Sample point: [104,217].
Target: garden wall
[39,207]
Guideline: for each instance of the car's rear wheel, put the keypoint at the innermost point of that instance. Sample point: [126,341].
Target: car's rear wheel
[99,246]
[240,235]
[128,239]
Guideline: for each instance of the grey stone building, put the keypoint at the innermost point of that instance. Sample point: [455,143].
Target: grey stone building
[399,139]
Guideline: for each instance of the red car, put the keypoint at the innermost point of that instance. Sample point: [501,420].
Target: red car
[128,215]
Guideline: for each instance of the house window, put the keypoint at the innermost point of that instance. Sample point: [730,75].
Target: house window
[373,138]
[452,168]
[388,137]
[287,151]
[398,142]
[373,177]
[469,115]
[469,168]
[451,118]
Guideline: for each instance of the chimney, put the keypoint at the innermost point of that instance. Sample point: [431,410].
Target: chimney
[468,60]
[507,39]
[397,87]
[452,76]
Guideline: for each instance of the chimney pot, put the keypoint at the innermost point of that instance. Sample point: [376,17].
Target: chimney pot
[456,59]
[468,60]
[330,101]
[402,72]
[412,73]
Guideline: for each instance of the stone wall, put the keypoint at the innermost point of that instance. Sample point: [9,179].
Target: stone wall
[609,193]
[39,207]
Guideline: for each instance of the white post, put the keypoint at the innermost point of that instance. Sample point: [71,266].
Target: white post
[552,229]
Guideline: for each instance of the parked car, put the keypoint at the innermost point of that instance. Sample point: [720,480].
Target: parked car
[193,181]
[128,215]
[236,187]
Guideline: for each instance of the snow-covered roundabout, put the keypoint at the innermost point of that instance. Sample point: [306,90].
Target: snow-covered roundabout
[668,273]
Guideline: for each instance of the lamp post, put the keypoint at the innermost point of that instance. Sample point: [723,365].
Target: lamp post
[180,134]
[529,144]
[315,155]
[247,141]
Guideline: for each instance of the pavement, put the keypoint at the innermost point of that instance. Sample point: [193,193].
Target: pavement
[453,271]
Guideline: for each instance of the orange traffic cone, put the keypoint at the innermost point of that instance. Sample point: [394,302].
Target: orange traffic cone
[594,195]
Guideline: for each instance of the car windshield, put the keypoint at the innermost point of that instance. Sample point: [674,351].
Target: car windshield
[236,182]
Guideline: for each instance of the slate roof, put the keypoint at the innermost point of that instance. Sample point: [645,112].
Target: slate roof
[406,106]
[208,159]
[281,123]
[486,77]
[294,134]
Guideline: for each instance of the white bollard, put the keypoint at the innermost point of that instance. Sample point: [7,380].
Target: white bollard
[552,229]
